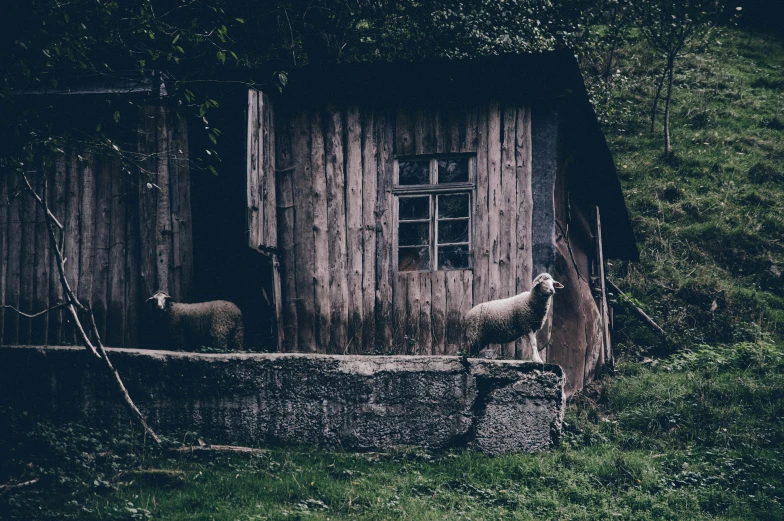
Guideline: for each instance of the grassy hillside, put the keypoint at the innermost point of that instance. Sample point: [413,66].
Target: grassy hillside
[696,435]
[709,220]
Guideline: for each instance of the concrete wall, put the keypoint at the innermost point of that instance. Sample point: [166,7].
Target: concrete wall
[355,402]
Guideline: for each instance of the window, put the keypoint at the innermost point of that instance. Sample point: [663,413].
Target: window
[433,196]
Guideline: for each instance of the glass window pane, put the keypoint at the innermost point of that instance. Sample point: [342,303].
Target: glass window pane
[414,234]
[414,208]
[453,231]
[453,257]
[413,259]
[453,170]
[414,172]
[453,205]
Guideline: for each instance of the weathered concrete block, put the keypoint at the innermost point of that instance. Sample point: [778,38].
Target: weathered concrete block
[356,402]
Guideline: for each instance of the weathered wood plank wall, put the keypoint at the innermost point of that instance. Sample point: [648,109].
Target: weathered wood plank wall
[336,226]
[123,238]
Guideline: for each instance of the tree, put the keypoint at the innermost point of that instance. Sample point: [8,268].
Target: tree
[670,28]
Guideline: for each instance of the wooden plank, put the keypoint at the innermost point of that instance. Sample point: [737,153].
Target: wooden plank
[369,196]
[4,219]
[184,213]
[398,315]
[404,132]
[336,225]
[524,213]
[252,164]
[40,325]
[176,282]
[148,204]
[27,262]
[607,354]
[88,209]
[304,244]
[322,308]
[459,296]
[163,245]
[508,237]
[495,198]
[133,298]
[13,260]
[285,198]
[103,221]
[115,312]
[413,304]
[385,327]
[354,245]
[72,236]
[57,207]
[424,131]
[456,125]
[481,290]
[267,194]
[438,313]
[425,339]
[441,130]
[470,135]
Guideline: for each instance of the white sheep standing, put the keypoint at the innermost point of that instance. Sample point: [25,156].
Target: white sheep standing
[506,320]
[217,323]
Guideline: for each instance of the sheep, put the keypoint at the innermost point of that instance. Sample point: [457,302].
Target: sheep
[216,323]
[506,320]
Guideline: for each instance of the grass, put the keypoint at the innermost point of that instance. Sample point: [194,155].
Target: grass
[707,220]
[694,436]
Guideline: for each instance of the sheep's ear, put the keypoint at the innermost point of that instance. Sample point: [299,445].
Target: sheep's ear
[150,299]
[557,284]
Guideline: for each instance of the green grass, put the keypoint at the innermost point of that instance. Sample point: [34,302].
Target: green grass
[695,437]
[708,220]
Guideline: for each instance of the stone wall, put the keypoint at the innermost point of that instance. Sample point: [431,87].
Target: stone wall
[355,402]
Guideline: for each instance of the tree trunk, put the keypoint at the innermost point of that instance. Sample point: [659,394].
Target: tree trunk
[667,146]
[656,99]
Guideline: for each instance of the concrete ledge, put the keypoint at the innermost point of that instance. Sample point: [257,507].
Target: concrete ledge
[356,402]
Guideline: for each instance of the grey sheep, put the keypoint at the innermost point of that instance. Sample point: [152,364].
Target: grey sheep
[216,323]
[506,320]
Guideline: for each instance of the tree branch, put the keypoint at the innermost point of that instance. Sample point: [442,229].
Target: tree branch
[637,311]
[34,315]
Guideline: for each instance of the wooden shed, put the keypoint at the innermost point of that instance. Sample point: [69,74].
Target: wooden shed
[408,193]
[378,203]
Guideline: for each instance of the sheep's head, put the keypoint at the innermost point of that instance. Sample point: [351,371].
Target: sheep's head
[545,284]
[159,300]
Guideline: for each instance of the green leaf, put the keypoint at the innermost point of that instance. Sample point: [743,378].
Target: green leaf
[221,56]
[116,116]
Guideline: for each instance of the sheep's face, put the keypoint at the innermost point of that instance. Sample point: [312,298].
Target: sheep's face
[159,300]
[545,284]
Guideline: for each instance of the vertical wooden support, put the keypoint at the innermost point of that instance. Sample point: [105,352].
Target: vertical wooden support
[470,137]
[507,233]
[269,232]
[133,299]
[607,346]
[73,237]
[425,343]
[4,211]
[369,197]
[27,261]
[40,325]
[404,132]
[57,207]
[115,322]
[413,304]
[163,249]
[253,164]
[13,260]
[336,224]
[398,314]
[438,312]
[148,201]
[494,199]
[184,211]
[103,221]
[302,187]
[354,214]
[481,290]
[322,309]
[459,299]
[285,198]
[385,328]
[524,212]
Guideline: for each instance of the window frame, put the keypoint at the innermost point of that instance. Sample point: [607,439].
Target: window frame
[433,190]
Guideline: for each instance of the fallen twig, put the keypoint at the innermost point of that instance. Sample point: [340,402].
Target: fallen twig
[9,487]
[637,311]
[217,448]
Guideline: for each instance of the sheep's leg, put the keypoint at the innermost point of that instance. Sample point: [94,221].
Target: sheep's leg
[530,350]
[488,352]
[238,339]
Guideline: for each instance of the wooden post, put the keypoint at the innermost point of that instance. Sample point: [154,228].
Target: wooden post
[27,264]
[384,248]
[354,214]
[322,308]
[57,203]
[369,199]
[607,354]
[285,199]
[115,316]
[4,214]
[253,164]
[42,184]
[524,211]
[507,235]
[163,243]
[13,260]
[103,220]
[438,311]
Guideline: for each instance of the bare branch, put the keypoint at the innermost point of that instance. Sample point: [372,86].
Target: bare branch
[9,487]
[34,315]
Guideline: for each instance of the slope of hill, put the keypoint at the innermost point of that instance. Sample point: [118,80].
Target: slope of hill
[708,220]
